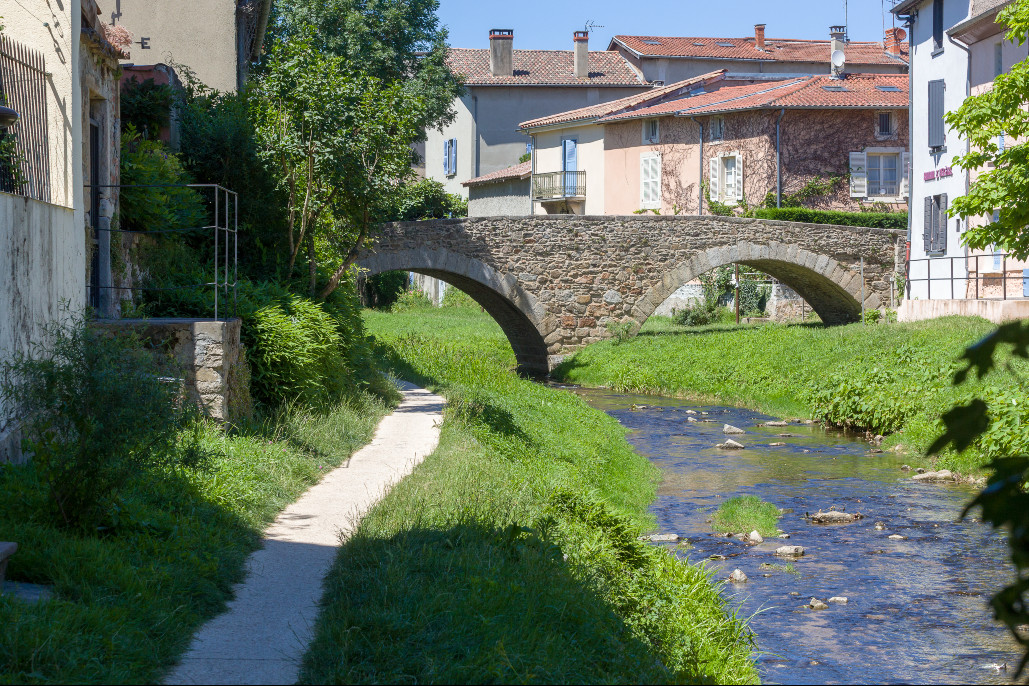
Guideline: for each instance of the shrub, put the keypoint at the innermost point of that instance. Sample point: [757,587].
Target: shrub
[97,410]
[701,314]
[160,202]
[881,220]
[146,106]
[382,290]
[411,300]
[455,297]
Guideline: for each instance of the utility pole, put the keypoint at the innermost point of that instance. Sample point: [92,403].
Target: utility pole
[736,297]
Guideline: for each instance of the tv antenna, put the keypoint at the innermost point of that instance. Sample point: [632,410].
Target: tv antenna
[590,25]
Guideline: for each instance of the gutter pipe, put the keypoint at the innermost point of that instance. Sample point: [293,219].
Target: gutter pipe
[909,24]
[262,27]
[778,160]
[700,169]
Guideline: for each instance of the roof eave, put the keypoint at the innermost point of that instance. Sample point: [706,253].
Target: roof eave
[978,28]
[906,6]
[541,128]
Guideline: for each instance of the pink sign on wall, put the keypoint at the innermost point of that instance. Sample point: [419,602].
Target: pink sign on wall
[938,174]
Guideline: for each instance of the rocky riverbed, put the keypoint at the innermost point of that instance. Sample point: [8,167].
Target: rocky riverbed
[890,589]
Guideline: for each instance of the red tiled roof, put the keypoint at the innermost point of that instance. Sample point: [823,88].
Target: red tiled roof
[862,91]
[519,171]
[626,103]
[776,49]
[544,68]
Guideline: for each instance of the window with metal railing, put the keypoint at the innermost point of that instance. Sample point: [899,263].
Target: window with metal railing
[24,147]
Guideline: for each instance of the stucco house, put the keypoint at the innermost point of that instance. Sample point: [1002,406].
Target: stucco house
[505,87]
[54,203]
[217,39]
[729,139]
[503,192]
[957,49]
[664,59]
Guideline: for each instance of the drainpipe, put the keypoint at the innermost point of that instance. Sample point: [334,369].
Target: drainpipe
[475,131]
[778,161]
[700,169]
[532,175]
[909,24]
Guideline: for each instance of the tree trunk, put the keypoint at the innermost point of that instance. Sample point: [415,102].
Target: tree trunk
[312,266]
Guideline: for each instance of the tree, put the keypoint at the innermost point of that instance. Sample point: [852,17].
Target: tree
[982,120]
[395,41]
[339,141]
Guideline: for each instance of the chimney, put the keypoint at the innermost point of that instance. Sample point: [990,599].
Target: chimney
[582,54]
[501,52]
[837,41]
[894,40]
[759,37]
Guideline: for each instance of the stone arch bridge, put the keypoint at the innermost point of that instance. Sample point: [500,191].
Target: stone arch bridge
[554,282]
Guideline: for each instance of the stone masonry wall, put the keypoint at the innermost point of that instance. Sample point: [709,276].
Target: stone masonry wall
[555,282]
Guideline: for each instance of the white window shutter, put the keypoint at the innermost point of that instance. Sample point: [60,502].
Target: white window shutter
[713,178]
[446,156]
[858,175]
[453,155]
[905,170]
[739,176]
[656,162]
[644,176]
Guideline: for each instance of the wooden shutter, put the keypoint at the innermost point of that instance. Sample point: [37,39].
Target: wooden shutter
[446,156]
[650,181]
[453,155]
[858,175]
[905,171]
[942,225]
[927,225]
[714,170]
[937,133]
[739,176]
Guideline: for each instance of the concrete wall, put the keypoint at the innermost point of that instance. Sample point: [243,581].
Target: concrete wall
[589,156]
[491,140]
[42,265]
[495,199]
[997,311]
[200,34]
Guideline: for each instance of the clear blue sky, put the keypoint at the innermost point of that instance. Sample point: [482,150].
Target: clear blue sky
[548,24]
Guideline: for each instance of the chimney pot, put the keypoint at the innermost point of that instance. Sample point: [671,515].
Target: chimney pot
[501,52]
[759,36]
[581,59]
[837,41]
[893,41]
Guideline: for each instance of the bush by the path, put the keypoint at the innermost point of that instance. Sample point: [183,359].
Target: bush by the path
[882,378]
[881,220]
[511,554]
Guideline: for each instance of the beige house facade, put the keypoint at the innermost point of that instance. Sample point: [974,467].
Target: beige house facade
[216,39]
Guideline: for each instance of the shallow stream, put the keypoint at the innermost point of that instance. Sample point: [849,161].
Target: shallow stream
[917,608]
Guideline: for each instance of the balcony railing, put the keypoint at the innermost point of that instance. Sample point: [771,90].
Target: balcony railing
[559,185]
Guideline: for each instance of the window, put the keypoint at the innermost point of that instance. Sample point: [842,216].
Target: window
[725,178]
[885,125]
[879,173]
[650,131]
[570,165]
[528,148]
[937,131]
[650,181]
[717,129]
[998,59]
[450,156]
[937,26]
[934,228]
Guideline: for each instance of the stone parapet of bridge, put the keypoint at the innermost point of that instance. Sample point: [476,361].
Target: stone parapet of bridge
[555,283]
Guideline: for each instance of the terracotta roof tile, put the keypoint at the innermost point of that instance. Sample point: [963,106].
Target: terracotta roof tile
[544,68]
[519,171]
[776,49]
[862,91]
[626,103]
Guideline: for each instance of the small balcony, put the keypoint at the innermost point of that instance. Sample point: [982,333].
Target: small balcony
[564,185]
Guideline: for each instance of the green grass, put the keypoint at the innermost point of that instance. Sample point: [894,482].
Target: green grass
[511,554]
[128,602]
[887,379]
[746,513]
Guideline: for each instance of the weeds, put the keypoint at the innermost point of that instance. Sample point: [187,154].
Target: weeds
[744,514]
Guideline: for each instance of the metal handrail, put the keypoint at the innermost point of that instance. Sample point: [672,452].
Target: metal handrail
[976,283]
[559,185]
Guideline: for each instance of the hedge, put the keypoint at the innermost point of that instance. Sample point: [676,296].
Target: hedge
[880,220]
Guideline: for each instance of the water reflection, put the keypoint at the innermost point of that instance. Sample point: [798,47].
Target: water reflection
[917,608]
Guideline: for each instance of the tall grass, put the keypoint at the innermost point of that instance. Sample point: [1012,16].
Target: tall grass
[887,379]
[511,554]
[746,513]
[128,599]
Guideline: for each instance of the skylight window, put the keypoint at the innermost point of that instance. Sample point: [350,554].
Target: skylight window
[700,44]
[726,45]
[836,89]
[652,42]
[887,89]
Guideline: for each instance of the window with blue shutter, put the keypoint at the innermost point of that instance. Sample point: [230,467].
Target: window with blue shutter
[937,25]
[1025,283]
[937,132]
[569,164]
[452,159]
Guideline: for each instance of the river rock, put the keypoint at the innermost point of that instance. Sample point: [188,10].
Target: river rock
[789,551]
[879,526]
[716,557]
[690,419]
[662,538]
[817,604]
[755,537]
[787,435]
[737,576]
[835,517]
[703,412]
[942,475]
[920,470]
[775,423]
[782,534]
[691,412]
[838,600]
[730,429]
[898,537]
[730,445]
[777,444]
[905,468]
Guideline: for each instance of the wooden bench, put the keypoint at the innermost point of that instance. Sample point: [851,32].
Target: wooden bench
[6,550]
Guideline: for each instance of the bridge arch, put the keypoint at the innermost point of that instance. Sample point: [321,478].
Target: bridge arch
[833,290]
[523,319]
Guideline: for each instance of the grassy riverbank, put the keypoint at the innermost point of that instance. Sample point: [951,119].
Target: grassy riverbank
[889,379]
[127,600]
[511,554]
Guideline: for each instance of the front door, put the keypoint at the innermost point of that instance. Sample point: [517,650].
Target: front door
[94,213]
